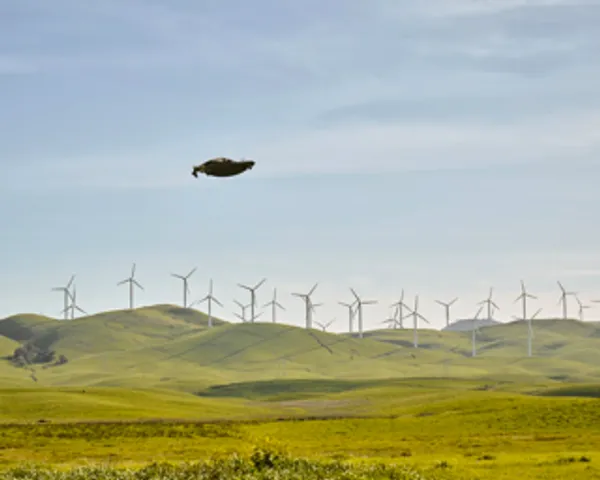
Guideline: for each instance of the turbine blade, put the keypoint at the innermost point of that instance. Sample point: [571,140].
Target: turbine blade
[312,290]
[217,302]
[133,271]
[191,272]
[259,284]
[137,284]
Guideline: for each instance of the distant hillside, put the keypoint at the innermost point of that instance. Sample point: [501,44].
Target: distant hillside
[166,346]
[108,331]
[466,324]
[23,327]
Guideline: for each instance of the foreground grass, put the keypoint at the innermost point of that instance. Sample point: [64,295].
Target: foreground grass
[261,464]
[431,434]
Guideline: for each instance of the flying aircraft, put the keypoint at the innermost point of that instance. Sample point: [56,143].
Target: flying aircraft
[222,167]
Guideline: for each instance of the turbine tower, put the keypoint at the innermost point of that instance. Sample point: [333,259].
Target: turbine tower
[351,312]
[252,291]
[490,305]
[74,306]
[274,304]
[359,311]
[474,330]
[242,317]
[186,288]
[308,305]
[530,334]
[582,308]
[132,281]
[209,298]
[400,306]
[523,297]
[563,299]
[447,308]
[416,315]
[67,295]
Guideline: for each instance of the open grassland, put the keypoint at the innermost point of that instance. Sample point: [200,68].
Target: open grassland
[438,428]
[275,401]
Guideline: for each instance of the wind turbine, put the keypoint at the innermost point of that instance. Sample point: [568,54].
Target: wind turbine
[73,306]
[308,305]
[132,281]
[359,305]
[325,326]
[530,334]
[490,304]
[186,288]
[447,308]
[582,308]
[252,291]
[400,305]
[351,312]
[209,298]
[67,295]
[274,304]
[392,321]
[416,315]
[563,299]
[474,330]
[242,317]
[523,297]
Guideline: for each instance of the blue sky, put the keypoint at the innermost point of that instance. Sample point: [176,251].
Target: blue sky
[442,147]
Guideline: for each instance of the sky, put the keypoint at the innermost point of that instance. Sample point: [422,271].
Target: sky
[442,147]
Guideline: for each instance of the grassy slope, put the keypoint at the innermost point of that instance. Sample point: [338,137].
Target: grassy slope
[170,347]
[479,434]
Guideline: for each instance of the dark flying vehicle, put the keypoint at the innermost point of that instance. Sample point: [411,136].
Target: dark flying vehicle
[222,167]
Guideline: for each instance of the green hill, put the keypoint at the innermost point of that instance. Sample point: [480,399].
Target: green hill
[25,326]
[166,346]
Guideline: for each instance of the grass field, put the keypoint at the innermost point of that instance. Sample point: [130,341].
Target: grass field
[274,401]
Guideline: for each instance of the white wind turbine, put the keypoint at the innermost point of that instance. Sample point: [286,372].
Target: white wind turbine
[67,295]
[74,306]
[447,308]
[351,312]
[490,305]
[359,310]
[252,291]
[416,315]
[563,299]
[392,322]
[243,308]
[474,330]
[308,305]
[582,308]
[400,306]
[209,298]
[325,326]
[523,297]
[186,288]
[274,304]
[530,333]
[132,281]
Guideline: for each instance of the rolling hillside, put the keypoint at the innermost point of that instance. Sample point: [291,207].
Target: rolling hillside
[165,346]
